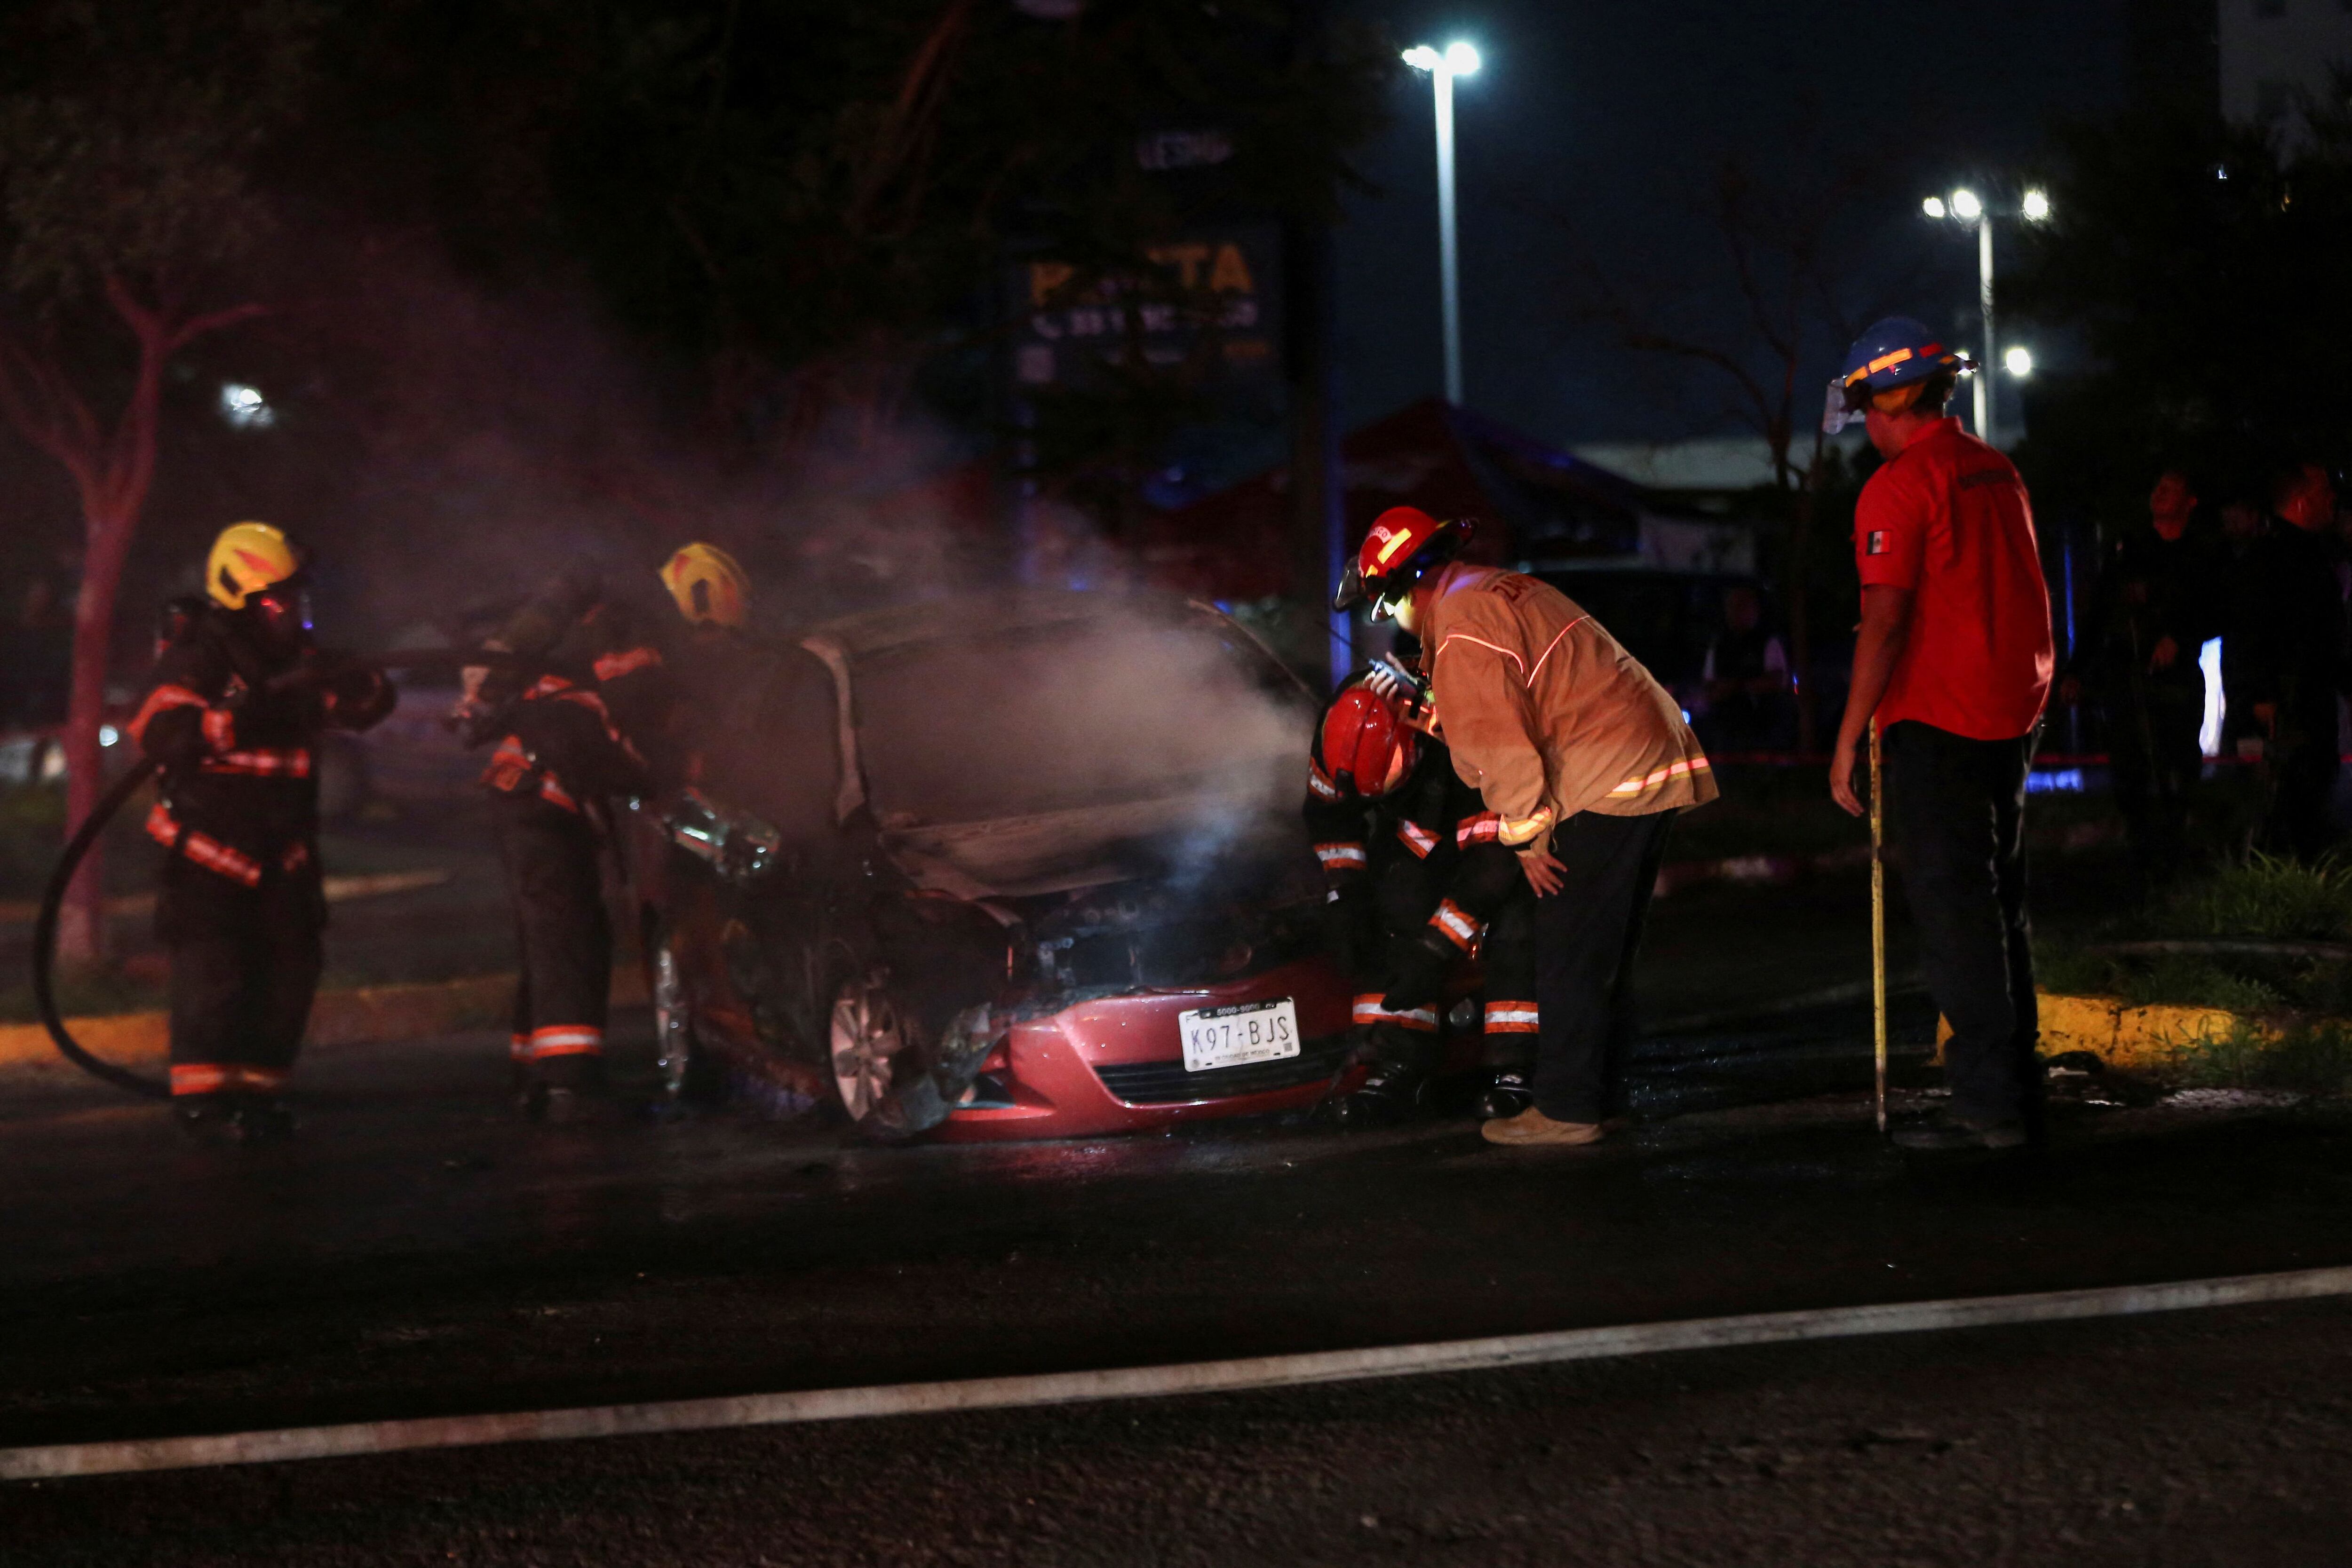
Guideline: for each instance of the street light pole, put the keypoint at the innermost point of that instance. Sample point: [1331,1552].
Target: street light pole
[1967,208]
[1983,378]
[1449,238]
[1458,60]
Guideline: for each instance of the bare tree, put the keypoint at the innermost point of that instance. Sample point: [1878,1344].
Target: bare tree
[123,196]
[1787,262]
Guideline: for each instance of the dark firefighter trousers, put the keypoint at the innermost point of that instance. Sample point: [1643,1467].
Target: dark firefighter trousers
[1955,831]
[1586,937]
[1406,891]
[564,939]
[244,967]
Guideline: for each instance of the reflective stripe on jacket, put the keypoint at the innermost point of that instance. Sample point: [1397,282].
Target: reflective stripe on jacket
[1540,706]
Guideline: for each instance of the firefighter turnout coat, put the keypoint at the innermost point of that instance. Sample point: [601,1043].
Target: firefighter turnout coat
[1542,707]
[235,732]
[568,738]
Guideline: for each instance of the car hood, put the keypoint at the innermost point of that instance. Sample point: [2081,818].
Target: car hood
[1164,837]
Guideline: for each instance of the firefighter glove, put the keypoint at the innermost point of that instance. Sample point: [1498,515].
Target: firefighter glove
[1421,962]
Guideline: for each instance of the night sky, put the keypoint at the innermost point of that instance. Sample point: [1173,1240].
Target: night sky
[1612,110]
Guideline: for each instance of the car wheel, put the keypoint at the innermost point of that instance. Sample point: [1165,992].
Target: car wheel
[682,1068]
[869,1030]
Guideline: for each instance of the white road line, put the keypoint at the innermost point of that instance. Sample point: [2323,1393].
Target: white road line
[1154,1382]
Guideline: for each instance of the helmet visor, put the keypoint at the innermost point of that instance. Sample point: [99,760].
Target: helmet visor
[1842,408]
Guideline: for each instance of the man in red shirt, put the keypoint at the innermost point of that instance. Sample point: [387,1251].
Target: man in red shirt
[1954,661]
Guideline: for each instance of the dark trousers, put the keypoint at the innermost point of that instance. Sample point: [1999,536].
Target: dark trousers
[1956,830]
[1586,936]
[2152,746]
[2304,762]
[563,937]
[244,967]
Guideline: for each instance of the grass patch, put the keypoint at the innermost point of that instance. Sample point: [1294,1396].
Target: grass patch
[2261,898]
[2313,1056]
[2264,898]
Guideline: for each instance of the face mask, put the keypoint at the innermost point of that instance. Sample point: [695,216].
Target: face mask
[284,616]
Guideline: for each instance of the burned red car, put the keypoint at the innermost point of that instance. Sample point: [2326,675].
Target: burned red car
[1022,866]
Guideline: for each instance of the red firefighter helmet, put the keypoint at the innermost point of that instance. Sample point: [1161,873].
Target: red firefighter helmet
[1366,745]
[1405,544]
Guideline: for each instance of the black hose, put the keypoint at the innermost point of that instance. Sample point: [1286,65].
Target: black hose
[44,925]
[45,939]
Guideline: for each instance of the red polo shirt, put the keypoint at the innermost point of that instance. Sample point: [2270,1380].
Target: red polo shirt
[1948,519]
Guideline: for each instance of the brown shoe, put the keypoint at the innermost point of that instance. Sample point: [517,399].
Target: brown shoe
[1532,1126]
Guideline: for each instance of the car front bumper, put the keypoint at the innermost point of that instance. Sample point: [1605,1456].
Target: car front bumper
[1114,1065]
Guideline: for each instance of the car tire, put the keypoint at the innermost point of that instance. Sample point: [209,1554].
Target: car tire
[682,1068]
[867,1033]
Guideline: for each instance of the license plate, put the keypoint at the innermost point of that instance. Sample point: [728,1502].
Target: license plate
[1246,1032]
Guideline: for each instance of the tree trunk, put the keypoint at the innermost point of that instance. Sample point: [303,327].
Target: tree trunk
[113,494]
[1800,620]
[81,929]
[112,469]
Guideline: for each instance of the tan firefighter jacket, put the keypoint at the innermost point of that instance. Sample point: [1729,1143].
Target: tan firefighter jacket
[1543,708]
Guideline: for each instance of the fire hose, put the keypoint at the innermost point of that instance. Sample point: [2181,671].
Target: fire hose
[45,927]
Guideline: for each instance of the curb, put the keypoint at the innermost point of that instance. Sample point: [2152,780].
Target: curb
[356,1016]
[2122,1035]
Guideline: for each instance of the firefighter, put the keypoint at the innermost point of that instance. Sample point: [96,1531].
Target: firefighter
[602,721]
[1416,883]
[569,738]
[241,698]
[713,595]
[1583,758]
[1953,662]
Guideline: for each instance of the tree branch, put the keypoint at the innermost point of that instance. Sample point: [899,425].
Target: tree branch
[196,327]
[45,426]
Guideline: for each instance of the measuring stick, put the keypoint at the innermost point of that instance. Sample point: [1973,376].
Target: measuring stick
[1877,926]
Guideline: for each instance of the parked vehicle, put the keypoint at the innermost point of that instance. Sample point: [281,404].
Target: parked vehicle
[1021,866]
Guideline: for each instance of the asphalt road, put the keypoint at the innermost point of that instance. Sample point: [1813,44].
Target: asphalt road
[418,1251]
[2215,1438]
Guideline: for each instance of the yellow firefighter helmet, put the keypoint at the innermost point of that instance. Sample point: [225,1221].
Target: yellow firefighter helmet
[710,588]
[246,559]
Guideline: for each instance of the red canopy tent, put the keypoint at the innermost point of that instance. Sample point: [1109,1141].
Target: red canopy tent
[1451,462]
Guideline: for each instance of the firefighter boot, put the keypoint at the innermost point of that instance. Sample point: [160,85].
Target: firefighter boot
[564,1091]
[1512,1092]
[209,1119]
[263,1119]
[1392,1090]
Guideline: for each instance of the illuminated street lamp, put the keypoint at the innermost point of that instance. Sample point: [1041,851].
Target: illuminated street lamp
[1965,206]
[1458,59]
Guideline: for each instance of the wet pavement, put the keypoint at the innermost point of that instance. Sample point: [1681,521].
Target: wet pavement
[2198,1440]
[419,1250]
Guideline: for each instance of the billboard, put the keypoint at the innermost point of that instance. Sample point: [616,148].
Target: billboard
[1205,309]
